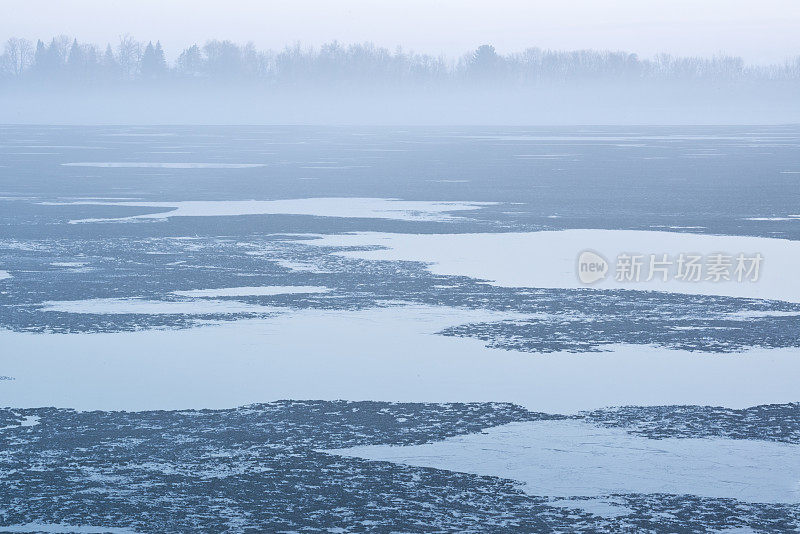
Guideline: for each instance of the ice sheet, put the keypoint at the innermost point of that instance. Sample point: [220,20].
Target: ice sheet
[549,259]
[369,208]
[388,354]
[566,458]
[113,306]
[251,291]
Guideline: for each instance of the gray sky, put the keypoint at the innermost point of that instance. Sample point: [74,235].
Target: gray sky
[759,30]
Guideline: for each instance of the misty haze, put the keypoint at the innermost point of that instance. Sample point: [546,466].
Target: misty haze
[535,270]
[62,80]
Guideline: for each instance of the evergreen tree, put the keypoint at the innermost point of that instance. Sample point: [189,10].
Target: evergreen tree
[76,62]
[485,63]
[153,63]
[108,64]
[190,62]
[161,60]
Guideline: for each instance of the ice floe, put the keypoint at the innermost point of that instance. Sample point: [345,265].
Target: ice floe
[68,263]
[368,208]
[27,421]
[117,306]
[4,275]
[787,218]
[549,259]
[251,291]
[300,266]
[390,354]
[566,458]
[603,507]
[753,314]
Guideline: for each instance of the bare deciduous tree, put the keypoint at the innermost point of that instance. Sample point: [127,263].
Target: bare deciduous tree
[17,56]
[129,53]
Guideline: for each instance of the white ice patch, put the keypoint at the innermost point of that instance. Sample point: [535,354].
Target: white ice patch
[4,275]
[28,420]
[151,165]
[787,218]
[549,259]
[112,306]
[754,314]
[300,266]
[69,264]
[574,458]
[384,354]
[251,291]
[607,507]
[73,266]
[366,208]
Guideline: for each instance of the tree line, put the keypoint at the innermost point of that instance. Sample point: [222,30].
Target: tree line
[65,60]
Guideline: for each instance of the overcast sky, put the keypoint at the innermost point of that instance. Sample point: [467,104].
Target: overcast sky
[758,30]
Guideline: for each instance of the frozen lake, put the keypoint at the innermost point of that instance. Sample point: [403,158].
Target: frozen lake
[400,311]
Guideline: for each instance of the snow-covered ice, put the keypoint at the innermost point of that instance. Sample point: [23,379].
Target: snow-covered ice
[251,291]
[787,218]
[299,266]
[368,208]
[27,421]
[388,354]
[565,458]
[549,259]
[68,263]
[604,507]
[115,306]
